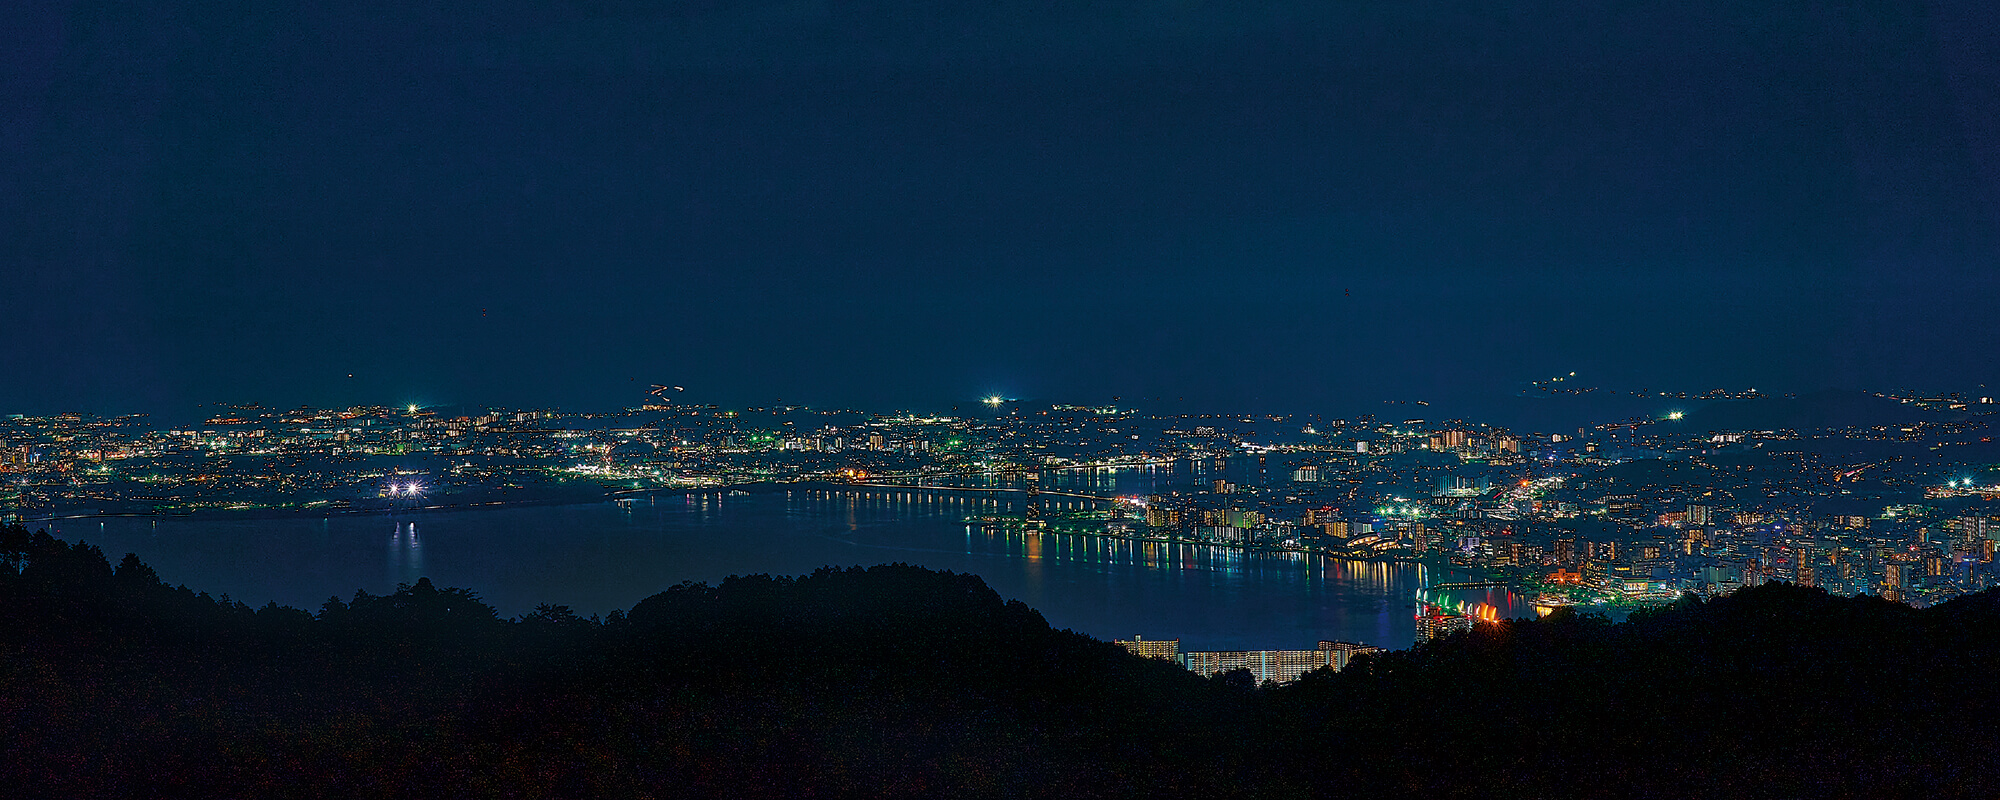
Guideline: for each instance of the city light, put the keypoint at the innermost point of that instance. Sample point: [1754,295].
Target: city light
[1478,503]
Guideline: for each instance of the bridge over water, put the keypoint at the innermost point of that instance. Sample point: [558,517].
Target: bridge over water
[987,490]
[1464,585]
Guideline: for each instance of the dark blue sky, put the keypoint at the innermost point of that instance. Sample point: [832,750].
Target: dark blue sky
[1252,204]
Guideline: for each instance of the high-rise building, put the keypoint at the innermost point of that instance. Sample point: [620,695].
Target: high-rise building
[1604,551]
[1163,649]
[1419,536]
[1698,514]
[1344,652]
[1456,485]
[1434,626]
[1276,666]
[1970,530]
[1895,576]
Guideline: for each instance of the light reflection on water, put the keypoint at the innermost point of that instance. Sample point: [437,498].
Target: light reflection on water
[406,554]
[599,557]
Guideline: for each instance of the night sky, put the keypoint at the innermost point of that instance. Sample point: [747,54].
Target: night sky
[1252,205]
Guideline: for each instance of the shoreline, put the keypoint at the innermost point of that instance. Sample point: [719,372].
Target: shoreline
[267,512]
[608,495]
[1512,585]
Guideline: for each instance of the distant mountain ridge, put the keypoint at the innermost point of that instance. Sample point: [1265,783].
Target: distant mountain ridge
[1826,409]
[1821,409]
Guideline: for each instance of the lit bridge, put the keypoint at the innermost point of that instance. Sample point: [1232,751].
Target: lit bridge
[1468,585]
[984,490]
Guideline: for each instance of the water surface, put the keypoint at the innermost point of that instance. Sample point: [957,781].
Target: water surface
[603,556]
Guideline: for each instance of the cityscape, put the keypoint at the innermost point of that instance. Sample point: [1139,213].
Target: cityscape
[1024,398]
[1612,516]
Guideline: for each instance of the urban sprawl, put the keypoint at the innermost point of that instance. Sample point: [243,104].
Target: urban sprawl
[1618,514]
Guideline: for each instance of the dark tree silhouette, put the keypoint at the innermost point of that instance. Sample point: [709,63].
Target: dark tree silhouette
[900,681]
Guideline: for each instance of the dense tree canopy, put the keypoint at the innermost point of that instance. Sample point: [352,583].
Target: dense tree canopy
[896,680]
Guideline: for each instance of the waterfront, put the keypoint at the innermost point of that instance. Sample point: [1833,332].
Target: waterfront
[603,556]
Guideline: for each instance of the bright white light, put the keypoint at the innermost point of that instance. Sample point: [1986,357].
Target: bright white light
[1673,415]
[413,408]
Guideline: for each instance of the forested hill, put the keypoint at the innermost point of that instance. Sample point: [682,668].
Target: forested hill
[900,681]
[886,681]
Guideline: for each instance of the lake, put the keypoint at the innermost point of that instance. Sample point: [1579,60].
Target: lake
[598,557]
